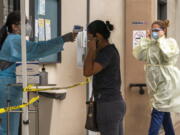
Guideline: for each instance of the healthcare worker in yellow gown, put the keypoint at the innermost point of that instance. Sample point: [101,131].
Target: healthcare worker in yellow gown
[160,55]
[10,52]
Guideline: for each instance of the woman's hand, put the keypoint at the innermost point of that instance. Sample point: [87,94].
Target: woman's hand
[92,44]
[74,35]
[148,34]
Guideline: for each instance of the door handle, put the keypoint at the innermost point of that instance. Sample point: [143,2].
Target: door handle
[140,85]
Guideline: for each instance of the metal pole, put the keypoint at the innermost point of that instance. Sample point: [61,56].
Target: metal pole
[88,12]
[8,118]
[25,115]
[8,113]
[37,117]
[88,86]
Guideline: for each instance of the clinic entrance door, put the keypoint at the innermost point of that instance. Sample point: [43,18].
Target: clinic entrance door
[139,16]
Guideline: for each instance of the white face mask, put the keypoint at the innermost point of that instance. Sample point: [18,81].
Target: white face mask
[28,29]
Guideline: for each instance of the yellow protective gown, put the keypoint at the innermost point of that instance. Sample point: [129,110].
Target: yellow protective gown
[162,77]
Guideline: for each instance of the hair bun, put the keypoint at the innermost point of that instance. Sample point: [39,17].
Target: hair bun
[109,26]
[166,23]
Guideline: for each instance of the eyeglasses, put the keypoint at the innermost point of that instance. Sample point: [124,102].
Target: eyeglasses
[156,29]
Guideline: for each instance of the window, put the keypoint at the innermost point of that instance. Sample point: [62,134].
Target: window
[162,9]
[16,4]
[46,22]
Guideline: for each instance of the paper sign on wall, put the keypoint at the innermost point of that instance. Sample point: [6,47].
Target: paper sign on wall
[36,28]
[41,8]
[41,30]
[137,35]
[48,29]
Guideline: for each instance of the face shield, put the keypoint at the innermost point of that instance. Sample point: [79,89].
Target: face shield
[28,29]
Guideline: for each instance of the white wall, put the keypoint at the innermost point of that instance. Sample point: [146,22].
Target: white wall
[71,113]
[27,8]
[178,21]
[112,10]
[171,15]
[174,17]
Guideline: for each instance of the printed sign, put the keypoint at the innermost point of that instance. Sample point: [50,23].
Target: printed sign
[42,7]
[137,35]
[41,30]
[48,29]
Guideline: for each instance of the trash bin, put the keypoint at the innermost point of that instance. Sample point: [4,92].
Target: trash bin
[48,102]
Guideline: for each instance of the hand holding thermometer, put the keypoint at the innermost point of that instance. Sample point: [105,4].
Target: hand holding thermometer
[77,28]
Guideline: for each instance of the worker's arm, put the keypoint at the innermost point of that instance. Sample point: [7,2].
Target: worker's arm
[36,50]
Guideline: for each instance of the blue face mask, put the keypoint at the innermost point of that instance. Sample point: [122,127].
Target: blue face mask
[155,35]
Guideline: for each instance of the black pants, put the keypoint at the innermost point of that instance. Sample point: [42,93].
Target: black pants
[110,117]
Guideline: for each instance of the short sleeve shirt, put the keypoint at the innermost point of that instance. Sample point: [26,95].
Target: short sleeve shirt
[106,83]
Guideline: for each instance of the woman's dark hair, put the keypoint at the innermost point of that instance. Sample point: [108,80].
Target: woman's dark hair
[100,27]
[13,18]
[163,25]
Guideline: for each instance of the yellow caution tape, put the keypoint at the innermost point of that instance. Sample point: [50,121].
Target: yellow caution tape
[3,110]
[30,88]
